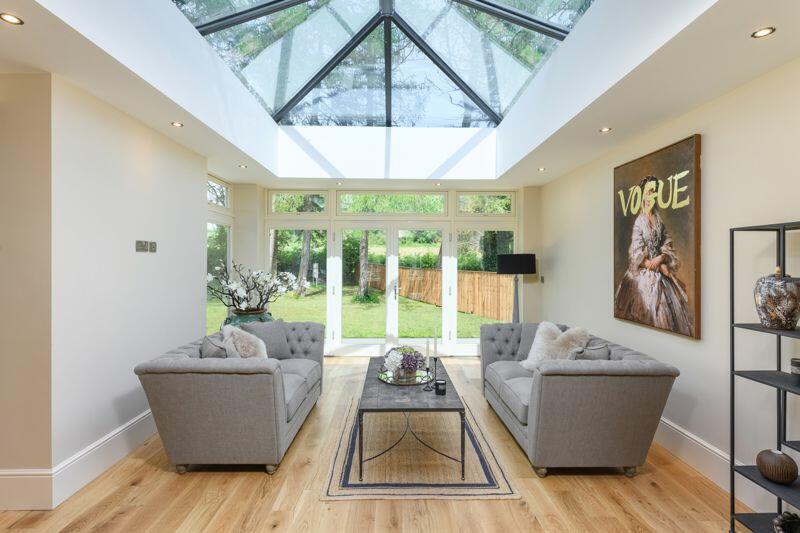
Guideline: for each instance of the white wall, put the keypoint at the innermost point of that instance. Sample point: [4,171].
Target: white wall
[114,181]
[749,176]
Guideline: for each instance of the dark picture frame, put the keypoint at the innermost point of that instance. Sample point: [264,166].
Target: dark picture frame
[657,212]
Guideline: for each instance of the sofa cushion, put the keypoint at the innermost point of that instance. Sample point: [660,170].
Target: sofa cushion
[274,336]
[305,368]
[516,394]
[294,392]
[213,346]
[499,372]
[526,340]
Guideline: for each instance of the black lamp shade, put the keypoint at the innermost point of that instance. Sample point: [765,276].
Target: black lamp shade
[516,263]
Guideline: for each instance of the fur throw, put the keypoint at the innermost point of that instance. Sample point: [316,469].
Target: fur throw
[239,343]
[551,343]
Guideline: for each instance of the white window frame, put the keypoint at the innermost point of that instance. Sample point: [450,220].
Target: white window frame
[393,216]
[312,215]
[226,210]
[461,215]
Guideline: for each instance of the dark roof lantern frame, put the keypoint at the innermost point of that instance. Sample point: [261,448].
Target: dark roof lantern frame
[386,16]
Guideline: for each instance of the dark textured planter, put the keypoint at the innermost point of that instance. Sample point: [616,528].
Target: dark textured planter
[776,466]
[777,301]
[786,523]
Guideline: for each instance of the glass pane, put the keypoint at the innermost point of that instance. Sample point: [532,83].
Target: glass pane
[277,54]
[353,94]
[364,284]
[422,95]
[217,194]
[484,204]
[304,253]
[298,203]
[420,306]
[495,58]
[392,203]
[562,12]
[216,255]
[203,11]
[484,297]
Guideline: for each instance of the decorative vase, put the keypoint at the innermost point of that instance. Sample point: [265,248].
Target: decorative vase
[403,375]
[786,523]
[776,466]
[242,317]
[777,301]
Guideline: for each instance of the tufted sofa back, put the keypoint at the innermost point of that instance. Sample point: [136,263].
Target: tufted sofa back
[305,338]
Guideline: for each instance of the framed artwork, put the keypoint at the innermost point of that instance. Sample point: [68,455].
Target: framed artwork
[657,239]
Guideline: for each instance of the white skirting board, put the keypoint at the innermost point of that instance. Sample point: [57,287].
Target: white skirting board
[711,462]
[37,489]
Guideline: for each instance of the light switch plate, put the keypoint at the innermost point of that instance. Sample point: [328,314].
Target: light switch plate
[153,247]
[142,246]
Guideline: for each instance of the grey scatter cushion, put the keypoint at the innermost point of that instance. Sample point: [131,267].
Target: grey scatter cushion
[526,340]
[213,346]
[597,352]
[239,343]
[274,336]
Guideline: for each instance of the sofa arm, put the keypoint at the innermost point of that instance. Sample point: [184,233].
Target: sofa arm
[623,367]
[190,365]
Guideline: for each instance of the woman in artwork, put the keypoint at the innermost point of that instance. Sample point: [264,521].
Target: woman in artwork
[650,291]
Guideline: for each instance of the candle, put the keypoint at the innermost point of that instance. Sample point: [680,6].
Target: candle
[435,349]
[427,353]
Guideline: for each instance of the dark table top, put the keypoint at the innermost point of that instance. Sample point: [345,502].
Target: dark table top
[380,396]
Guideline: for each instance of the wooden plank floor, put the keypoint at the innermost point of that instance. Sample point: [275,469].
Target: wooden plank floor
[142,492]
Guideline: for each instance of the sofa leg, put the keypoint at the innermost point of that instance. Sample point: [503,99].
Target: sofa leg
[181,469]
[270,469]
[630,471]
[540,471]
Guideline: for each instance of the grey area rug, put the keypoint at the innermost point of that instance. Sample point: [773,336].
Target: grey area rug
[410,467]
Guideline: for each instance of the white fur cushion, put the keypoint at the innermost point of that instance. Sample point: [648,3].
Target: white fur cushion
[551,343]
[239,343]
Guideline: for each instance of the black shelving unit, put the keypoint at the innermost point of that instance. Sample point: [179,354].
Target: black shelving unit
[782,382]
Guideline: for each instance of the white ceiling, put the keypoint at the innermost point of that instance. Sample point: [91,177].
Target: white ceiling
[113,59]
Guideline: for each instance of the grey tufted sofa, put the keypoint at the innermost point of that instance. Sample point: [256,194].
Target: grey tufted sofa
[234,411]
[574,413]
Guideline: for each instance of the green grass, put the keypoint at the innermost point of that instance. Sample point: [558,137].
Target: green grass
[360,321]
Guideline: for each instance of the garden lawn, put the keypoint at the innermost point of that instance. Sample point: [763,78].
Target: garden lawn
[360,320]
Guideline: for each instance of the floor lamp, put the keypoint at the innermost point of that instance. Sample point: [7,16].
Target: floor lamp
[516,264]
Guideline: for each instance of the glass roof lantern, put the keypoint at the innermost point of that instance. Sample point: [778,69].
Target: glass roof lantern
[436,63]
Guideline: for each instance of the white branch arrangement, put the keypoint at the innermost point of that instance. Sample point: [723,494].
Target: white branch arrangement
[253,291]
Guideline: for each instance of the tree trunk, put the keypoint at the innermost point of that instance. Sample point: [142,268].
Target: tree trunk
[439,257]
[304,259]
[363,265]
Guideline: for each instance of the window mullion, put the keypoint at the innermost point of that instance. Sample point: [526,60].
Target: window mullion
[261,10]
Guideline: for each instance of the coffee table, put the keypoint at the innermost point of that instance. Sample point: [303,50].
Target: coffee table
[380,397]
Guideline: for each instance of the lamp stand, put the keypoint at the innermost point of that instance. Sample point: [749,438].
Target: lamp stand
[515,316]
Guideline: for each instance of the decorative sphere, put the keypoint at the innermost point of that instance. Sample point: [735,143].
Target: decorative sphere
[776,466]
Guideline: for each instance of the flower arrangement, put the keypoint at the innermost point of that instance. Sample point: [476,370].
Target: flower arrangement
[403,359]
[252,292]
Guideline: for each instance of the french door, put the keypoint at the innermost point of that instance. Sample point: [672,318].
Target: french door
[395,280]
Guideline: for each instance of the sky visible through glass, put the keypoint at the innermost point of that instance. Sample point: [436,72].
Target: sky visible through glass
[293,59]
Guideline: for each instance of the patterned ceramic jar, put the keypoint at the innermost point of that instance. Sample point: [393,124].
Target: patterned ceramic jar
[777,301]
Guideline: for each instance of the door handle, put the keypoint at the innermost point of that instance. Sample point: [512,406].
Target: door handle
[396,291]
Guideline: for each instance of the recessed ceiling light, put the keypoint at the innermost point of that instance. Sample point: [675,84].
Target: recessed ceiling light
[604,129]
[763,32]
[542,169]
[176,124]
[438,184]
[242,166]
[338,183]
[11,19]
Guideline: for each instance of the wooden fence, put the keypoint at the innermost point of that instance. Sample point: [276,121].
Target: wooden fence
[484,294]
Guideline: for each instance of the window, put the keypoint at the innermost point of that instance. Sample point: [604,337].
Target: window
[297,202]
[218,194]
[304,253]
[392,203]
[217,254]
[486,204]
[484,297]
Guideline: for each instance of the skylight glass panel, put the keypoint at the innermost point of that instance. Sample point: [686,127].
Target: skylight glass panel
[422,95]
[203,11]
[276,55]
[494,57]
[564,13]
[353,94]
